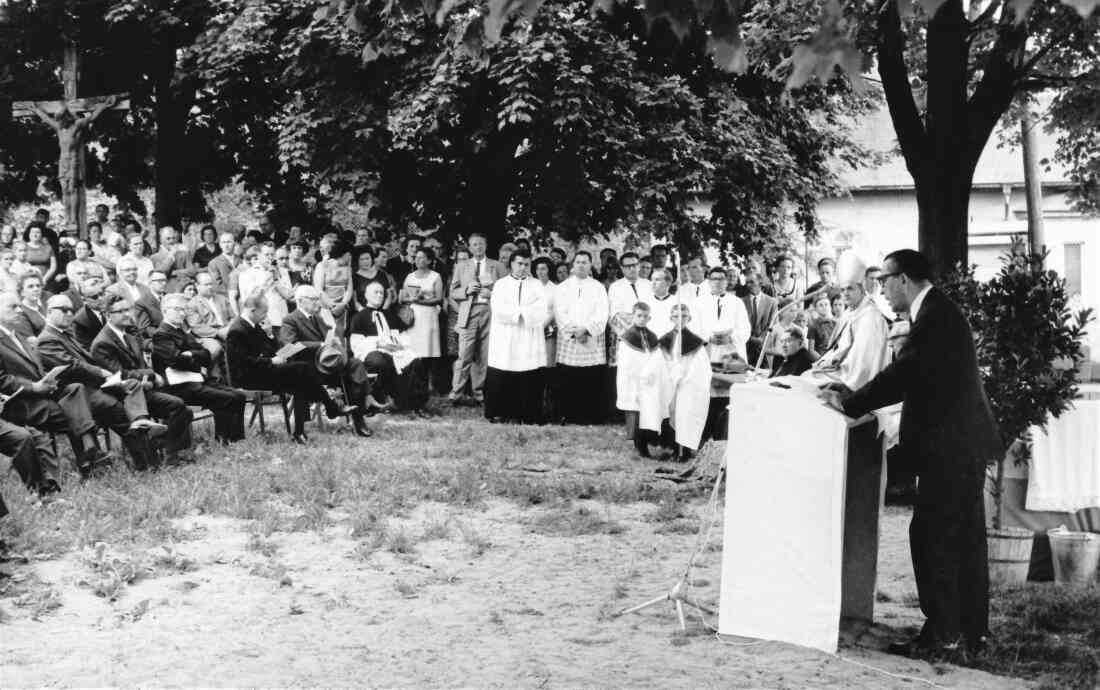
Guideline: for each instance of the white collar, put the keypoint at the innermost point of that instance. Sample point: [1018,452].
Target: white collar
[121,334]
[914,308]
[247,320]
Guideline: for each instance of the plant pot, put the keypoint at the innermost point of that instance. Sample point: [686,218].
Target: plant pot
[1009,555]
[1075,556]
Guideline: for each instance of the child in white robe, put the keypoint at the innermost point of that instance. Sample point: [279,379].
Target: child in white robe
[641,381]
[688,365]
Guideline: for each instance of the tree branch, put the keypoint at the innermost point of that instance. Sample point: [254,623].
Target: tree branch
[995,91]
[895,84]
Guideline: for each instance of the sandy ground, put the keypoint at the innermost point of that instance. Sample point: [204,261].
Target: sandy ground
[308,609]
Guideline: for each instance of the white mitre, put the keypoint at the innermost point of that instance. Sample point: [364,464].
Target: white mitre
[850,268]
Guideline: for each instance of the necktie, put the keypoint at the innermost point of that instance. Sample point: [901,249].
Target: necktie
[719,302]
[752,303]
[635,289]
[380,326]
[477,271]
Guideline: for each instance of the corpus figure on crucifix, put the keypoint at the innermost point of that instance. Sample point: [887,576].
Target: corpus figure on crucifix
[70,139]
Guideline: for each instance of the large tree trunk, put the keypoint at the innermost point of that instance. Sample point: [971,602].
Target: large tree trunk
[942,149]
[170,123]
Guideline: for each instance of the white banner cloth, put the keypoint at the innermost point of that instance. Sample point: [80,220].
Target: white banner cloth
[784,517]
[1064,470]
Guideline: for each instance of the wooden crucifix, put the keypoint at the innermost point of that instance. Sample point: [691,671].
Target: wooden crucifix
[70,118]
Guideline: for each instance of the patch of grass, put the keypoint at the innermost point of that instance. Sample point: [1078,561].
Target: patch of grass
[1046,632]
[436,528]
[399,539]
[680,526]
[567,521]
[477,541]
[29,593]
[111,573]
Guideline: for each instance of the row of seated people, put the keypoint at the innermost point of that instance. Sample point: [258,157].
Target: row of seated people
[59,383]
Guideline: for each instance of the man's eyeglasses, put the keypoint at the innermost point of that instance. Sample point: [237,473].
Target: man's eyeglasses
[67,310]
[628,265]
[881,278]
[119,310]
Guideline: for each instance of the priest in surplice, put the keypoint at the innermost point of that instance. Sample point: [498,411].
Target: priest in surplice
[517,345]
[858,349]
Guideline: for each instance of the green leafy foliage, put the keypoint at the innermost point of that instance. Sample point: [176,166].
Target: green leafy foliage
[1029,343]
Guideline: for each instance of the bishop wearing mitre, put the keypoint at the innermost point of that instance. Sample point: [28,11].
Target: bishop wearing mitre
[517,345]
[858,349]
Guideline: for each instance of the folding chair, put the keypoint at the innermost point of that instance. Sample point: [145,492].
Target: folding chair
[260,397]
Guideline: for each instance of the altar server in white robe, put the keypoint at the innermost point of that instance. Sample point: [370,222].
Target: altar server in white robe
[580,310]
[642,381]
[859,348]
[517,345]
[661,302]
[688,365]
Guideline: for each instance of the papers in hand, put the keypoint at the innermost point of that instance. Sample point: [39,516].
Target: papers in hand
[113,381]
[52,374]
[176,376]
[289,350]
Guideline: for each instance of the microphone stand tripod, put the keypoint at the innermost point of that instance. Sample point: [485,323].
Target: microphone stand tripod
[679,594]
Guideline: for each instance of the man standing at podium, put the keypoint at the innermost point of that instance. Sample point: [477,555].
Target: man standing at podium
[949,429]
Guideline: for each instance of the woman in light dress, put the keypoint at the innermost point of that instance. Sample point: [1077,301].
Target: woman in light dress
[423,291]
[333,277]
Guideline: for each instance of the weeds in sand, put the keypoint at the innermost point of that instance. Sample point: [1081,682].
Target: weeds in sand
[111,574]
[172,561]
[436,528]
[405,588]
[399,539]
[28,593]
[262,546]
[477,542]
[566,521]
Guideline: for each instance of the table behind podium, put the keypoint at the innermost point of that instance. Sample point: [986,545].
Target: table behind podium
[803,495]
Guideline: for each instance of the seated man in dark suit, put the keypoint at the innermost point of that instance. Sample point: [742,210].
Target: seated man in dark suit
[253,363]
[177,353]
[89,319]
[122,409]
[796,358]
[39,401]
[305,327]
[31,455]
[147,314]
[116,350]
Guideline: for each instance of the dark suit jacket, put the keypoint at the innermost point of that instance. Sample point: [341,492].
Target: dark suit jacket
[946,421]
[19,369]
[57,349]
[123,355]
[30,322]
[86,326]
[249,351]
[307,330]
[795,365]
[765,312]
[177,348]
[147,315]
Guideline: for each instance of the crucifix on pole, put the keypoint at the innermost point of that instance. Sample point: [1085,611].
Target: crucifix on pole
[70,118]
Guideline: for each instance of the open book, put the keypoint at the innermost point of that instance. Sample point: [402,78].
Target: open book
[176,376]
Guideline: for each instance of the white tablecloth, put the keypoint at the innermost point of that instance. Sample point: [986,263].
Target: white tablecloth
[1064,470]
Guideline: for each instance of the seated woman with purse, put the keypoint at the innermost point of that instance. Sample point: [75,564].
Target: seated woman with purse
[377,339]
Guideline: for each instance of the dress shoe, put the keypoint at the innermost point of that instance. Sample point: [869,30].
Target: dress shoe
[94,462]
[300,439]
[154,428]
[48,487]
[183,457]
[362,430]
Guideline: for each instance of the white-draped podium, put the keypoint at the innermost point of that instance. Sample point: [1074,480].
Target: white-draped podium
[803,494]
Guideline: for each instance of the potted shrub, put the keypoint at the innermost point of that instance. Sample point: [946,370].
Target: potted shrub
[1029,343]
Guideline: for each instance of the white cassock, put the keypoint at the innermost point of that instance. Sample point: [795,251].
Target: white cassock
[689,376]
[581,303]
[660,313]
[642,381]
[519,312]
[622,295]
[859,349]
[690,292]
[723,314]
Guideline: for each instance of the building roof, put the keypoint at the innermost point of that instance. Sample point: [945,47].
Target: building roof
[1000,164]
